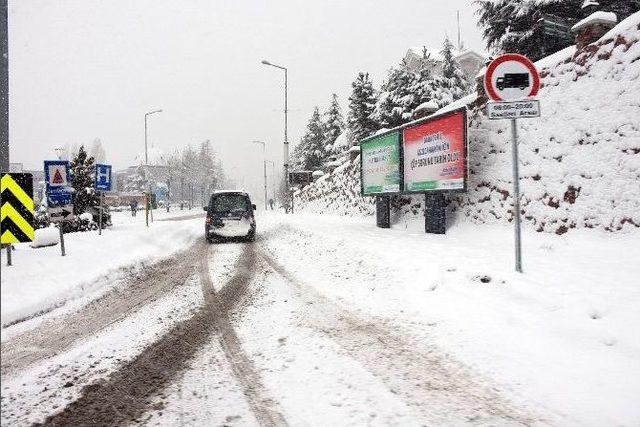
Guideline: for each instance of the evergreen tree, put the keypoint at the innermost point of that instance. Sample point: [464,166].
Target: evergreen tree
[333,125]
[516,26]
[362,103]
[404,91]
[82,180]
[297,156]
[310,154]
[452,84]
[396,98]
[423,85]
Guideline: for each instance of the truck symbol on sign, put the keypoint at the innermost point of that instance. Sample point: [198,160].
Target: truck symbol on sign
[513,80]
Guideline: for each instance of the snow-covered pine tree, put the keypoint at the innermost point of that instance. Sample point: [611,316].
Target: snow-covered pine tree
[362,103]
[297,156]
[82,180]
[452,84]
[423,85]
[310,152]
[333,125]
[404,91]
[516,26]
[394,106]
[510,26]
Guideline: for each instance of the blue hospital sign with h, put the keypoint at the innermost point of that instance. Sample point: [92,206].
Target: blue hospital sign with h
[103,177]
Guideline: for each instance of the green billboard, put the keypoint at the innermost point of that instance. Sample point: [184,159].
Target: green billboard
[380,164]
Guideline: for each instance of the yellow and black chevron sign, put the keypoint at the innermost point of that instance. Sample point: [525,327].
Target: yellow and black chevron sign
[17,207]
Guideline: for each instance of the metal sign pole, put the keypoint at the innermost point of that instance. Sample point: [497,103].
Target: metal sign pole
[61,238]
[9,263]
[516,193]
[100,217]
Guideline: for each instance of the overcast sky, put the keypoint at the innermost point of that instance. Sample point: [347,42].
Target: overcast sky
[87,69]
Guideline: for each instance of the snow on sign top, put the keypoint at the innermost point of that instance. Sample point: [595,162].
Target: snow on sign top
[511,77]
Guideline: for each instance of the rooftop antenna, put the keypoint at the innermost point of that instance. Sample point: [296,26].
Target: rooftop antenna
[458,19]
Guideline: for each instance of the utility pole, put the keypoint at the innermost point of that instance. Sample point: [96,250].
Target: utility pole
[146,163]
[4,102]
[4,88]
[286,140]
[264,170]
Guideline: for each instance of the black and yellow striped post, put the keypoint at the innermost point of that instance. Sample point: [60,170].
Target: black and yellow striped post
[17,209]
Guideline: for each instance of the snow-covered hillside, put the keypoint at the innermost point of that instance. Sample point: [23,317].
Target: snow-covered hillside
[580,161]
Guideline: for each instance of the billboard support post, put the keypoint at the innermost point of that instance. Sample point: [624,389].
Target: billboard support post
[383,211]
[434,213]
[516,193]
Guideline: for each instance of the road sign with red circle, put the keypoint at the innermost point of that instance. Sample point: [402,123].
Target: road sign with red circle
[511,77]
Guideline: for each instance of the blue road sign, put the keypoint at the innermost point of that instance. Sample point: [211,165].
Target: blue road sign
[56,174]
[59,198]
[103,177]
[58,182]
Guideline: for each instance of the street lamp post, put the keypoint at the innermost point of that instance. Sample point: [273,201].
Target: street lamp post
[286,140]
[264,170]
[146,163]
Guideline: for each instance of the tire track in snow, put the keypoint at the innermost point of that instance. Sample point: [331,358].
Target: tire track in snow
[128,393]
[56,335]
[264,408]
[440,390]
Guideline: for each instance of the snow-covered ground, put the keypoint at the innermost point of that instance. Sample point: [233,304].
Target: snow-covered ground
[558,335]
[328,320]
[41,279]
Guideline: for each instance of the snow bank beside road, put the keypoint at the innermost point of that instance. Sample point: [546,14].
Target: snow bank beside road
[48,236]
[42,279]
[558,337]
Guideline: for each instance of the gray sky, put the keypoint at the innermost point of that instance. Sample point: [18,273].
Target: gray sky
[81,69]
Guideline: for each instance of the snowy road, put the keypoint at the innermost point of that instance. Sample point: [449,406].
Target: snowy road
[298,328]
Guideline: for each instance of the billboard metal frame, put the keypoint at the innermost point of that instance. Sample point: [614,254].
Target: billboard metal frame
[399,130]
[465,151]
[400,165]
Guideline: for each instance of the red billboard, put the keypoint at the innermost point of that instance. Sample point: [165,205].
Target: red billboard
[435,153]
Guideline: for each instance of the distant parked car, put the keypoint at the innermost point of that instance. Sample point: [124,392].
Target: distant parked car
[230,215]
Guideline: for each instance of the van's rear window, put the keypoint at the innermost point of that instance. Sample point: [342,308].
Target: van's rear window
[230,203]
